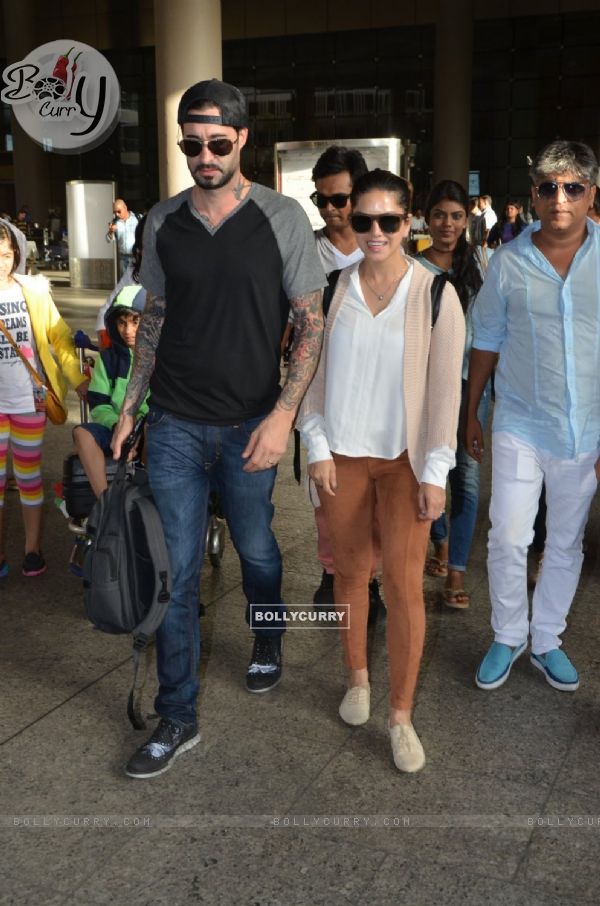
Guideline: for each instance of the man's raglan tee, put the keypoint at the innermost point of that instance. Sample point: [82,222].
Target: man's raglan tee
[227,293]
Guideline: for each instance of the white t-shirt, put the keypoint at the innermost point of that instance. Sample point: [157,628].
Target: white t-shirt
[489,217]
[331,257]
[16,385]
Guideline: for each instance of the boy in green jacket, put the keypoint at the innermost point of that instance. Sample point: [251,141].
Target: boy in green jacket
[109,383]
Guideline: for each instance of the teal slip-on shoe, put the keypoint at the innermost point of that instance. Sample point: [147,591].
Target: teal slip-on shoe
[558,669]
[495,668]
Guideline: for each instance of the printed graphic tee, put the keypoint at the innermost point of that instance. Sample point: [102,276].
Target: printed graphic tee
[16,385]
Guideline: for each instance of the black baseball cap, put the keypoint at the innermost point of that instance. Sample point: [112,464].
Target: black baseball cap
[229,99]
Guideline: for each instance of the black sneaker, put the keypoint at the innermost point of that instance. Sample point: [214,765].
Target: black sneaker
[376,605]
[264,670]
[323,597]
[157,755]
[34,564]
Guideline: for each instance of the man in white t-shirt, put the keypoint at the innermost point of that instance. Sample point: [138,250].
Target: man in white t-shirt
[418,224]
[488,214]
[334,174]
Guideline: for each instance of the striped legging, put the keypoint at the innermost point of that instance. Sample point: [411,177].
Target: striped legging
[25,434]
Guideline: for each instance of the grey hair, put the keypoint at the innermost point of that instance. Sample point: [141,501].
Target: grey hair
[565,157]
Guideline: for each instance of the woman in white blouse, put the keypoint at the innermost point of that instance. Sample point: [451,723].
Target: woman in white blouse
[379,421]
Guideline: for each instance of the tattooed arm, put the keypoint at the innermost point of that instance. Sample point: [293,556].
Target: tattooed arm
[268,442]
[308,337]
[146,343]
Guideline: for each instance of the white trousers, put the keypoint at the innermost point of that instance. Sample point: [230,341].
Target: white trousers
[518,470]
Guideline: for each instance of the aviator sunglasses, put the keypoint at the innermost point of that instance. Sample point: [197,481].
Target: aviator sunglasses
[572,190]
[220,147]
[339,200]
[388,223]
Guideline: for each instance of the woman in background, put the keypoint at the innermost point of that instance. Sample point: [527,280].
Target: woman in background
[447,211]
[508,226]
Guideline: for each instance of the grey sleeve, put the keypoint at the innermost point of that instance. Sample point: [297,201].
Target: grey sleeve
[152,277]
[302,269]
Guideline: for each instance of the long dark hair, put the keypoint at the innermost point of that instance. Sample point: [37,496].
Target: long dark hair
[518,225]
[466,276]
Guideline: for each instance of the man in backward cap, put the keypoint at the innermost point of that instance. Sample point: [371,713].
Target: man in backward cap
[223,263]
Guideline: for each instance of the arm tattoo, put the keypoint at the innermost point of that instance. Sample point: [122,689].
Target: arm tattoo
[146,343]
[308,337]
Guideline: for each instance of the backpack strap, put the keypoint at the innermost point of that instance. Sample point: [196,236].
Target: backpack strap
[144,633]
[329,290]
[437,291]
[134,702]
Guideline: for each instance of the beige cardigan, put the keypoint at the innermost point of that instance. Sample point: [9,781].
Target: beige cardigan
[432,366]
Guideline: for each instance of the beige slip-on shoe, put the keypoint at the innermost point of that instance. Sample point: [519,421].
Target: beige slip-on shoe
[406,748]
[356,705]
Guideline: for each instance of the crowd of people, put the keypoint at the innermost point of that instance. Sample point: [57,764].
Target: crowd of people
[389,383]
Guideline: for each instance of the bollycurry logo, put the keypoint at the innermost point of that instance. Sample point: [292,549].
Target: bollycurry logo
[65,96]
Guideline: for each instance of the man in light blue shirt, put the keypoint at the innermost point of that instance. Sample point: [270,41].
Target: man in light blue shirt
[122,226]
[538,315]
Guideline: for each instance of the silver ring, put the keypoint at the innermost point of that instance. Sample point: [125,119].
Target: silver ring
[270,462]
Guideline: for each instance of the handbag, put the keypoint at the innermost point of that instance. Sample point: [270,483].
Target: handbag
[55,410]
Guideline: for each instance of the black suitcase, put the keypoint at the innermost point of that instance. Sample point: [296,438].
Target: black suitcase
[77,491]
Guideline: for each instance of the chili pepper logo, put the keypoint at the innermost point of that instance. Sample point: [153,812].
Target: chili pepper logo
[67,101]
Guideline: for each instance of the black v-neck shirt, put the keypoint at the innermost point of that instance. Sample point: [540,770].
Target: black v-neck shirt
[227,293]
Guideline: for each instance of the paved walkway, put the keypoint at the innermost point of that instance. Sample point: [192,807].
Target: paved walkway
[282,804]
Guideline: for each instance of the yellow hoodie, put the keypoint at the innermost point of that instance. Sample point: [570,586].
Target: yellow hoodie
[49,328]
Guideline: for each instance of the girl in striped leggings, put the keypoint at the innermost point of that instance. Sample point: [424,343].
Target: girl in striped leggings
[28,314]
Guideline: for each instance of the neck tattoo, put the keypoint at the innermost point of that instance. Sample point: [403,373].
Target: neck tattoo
[238,190]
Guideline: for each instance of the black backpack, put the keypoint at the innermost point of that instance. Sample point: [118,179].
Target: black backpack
[126,573]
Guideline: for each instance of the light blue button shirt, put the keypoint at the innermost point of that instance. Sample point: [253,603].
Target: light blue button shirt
[547,331]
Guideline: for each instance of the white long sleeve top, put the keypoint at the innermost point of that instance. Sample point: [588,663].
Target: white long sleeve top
[363,411]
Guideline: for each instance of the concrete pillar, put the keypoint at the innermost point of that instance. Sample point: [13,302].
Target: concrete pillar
[30,162]
[188,50]
[452,91]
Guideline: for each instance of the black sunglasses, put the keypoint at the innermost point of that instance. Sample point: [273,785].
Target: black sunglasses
[339,200]
[192,147]
[573,190]
[388,223]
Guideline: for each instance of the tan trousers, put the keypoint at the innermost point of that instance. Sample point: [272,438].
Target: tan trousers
[362,481]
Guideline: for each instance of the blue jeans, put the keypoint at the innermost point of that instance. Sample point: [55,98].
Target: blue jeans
[464,491]
[184,459]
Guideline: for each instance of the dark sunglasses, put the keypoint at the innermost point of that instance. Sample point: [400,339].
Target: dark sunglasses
[192,147]
[339,200]
[573,190]
[388,223]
